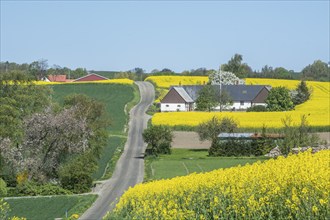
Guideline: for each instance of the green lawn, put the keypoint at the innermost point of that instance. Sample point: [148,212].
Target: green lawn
[185,161]
[50,207]
[115,97]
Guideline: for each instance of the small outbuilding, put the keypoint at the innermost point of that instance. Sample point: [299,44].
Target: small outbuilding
[90,77]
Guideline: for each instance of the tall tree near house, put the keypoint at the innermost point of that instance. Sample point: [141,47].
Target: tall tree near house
[279,99]
[207,99]
[303,93]
[224,78]
[224,100]
[236,66]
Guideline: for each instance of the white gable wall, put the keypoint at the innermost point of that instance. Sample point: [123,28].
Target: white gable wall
[173,107]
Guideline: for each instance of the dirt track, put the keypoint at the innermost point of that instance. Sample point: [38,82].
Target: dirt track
[190,140]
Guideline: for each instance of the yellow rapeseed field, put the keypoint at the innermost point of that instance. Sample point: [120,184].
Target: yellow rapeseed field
[167,81]
[317,109]
[296,187]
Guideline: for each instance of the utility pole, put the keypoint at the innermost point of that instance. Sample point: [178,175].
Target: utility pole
[220,88]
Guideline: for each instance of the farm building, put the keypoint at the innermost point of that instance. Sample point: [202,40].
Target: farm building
[91,77]
[56,78]
[183,98]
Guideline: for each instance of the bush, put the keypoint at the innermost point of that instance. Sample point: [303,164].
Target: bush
[76,175]
[257,108]
[256,147]
[31,188]
[3,188]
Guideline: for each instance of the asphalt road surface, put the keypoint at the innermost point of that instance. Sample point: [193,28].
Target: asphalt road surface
[130,167]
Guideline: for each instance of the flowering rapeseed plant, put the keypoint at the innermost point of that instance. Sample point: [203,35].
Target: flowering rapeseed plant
[296,187]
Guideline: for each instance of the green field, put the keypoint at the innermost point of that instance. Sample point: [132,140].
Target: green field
[49,207]
[115,97]
[185,161]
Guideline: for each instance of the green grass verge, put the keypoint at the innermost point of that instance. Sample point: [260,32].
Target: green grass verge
[44,208]
[185,161]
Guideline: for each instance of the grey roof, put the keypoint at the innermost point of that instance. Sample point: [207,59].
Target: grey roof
[242,92]
[235,135]
[183,94]
[236,92]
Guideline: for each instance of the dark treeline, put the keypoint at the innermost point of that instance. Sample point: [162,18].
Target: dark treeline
[37,70]
[317,71]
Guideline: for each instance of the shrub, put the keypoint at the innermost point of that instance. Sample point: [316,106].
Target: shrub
[30,188]
[257,108]
[3,188]
[76,175]
[256,147]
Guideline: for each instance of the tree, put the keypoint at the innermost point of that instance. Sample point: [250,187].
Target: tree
[236,66]
[76,175]
[210,130]
[225,78]
[296,135]
[279,99]
[317,71]
[158,138]
[207,99]
[38,69]
[49,139]
[303,93]
[224,100]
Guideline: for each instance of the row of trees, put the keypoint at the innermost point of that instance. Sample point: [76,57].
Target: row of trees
[40,69]
[318,70]
[44,142]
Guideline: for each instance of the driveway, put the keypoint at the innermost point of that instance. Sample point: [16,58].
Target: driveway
[129,169]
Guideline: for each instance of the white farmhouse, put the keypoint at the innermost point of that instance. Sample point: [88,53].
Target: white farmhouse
[182,98]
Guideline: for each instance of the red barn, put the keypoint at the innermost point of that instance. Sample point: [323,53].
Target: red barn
[90,77]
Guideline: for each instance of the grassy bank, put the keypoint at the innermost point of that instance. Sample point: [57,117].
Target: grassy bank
[50,207]
[186,161]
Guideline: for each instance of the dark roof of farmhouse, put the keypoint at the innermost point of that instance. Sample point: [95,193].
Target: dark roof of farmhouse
[236,92]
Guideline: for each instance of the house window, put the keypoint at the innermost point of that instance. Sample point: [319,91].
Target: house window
[167,105]
[242,102]
[179,106]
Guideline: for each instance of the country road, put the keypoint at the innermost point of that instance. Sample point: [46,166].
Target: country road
[130,167]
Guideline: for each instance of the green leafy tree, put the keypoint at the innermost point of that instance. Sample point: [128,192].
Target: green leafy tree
[236,66]
[207,99]
[224,100]
[158,138]
[76,175]
[279,99]
[317,71]
[303,93]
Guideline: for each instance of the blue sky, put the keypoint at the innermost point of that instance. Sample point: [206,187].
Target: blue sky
[114,35]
